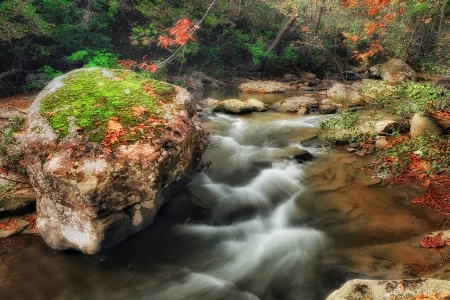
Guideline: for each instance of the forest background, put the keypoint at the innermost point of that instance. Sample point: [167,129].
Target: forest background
[235,37]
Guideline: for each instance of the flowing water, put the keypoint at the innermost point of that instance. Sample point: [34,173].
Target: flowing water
[251,231]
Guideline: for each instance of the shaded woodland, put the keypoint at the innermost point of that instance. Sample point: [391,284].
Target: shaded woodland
[232,38]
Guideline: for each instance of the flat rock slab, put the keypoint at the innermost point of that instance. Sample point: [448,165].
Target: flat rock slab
[263,87]
[12,226]
[358,289]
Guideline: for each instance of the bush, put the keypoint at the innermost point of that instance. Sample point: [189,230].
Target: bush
[94,58]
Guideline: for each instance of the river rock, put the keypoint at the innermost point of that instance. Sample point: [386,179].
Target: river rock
[210,102]
[257,105]
[263,87]
[289,77]
[346,94]
[397,71]
[234,106]
[303,156]
[15,193]
[357,289]
[293,104]
[381,142]
[375,72]
[327,109]
[423,125]
[92,195]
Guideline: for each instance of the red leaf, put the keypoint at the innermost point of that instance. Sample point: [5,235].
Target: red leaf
[436,241]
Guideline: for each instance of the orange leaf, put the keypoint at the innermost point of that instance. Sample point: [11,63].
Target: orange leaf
[113,125]
[138,111]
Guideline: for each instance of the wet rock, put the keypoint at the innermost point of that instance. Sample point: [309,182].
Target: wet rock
[12,226]
[210,102]
[263,87]
[397,71]
[293,104]
[257,105]
[354,145]
[303,156]
[234,106]
[423,125]
[90,197]
[388,289]
[327,109]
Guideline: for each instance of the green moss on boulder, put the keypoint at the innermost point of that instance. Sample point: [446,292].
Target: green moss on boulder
[90,98]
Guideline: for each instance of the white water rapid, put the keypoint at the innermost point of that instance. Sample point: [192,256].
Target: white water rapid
[255,202]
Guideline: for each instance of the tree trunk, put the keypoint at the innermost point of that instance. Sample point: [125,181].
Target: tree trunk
[441,18]
[319,19]
[281,34]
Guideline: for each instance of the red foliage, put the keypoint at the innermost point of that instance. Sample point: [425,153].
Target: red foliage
[180,34]
[436,241]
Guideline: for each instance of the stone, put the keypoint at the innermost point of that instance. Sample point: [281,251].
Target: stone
[91,194]
[293,104]
[257,105]
[375,72]
[12,226]
[210,102]
[289,77]
[401,289]
[263,87]
[346,94]
[397,71]
[354,145]
[234,106]
[381,142]
[327,109]
[303,156]
[423,125]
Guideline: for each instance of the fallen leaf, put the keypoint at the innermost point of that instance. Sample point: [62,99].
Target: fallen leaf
[436,241]
[138,111]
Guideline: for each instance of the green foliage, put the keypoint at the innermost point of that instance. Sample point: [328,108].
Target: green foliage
[48,72]
[94,58]
[431,149]
[422,97]
[11,153]
[345,128]
[91,99]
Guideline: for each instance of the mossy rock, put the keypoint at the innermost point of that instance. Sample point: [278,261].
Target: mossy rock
[88,98]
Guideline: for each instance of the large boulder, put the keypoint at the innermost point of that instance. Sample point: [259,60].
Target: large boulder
[421,125]
[105,150]
[345,94]
[233,106]
[397,71]
[263,87]
[294,104]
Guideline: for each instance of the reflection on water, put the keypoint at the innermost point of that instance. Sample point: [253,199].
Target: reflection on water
[251,242]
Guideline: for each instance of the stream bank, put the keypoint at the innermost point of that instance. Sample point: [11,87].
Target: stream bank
[355,225]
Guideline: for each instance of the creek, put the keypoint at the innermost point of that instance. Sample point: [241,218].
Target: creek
[256,224]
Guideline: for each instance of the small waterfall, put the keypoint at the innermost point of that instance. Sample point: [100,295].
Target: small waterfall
[256,215]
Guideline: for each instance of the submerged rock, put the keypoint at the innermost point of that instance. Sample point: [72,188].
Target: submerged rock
[101,174]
